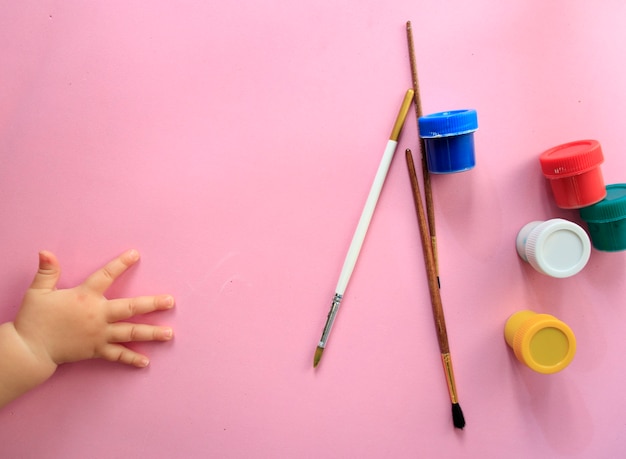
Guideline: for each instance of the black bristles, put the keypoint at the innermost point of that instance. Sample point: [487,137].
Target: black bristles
[457,416]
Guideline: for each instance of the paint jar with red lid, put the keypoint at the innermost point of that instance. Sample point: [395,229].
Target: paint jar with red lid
[573,170]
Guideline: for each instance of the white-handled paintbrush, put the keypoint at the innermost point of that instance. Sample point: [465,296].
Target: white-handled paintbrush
[363,225]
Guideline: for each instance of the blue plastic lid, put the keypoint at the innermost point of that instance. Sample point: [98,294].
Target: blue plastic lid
[445,124]
[611,208]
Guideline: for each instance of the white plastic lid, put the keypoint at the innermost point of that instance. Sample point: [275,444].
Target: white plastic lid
[557,247]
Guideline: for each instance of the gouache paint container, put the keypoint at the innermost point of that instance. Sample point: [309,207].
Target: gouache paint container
[606,220]
[540,341]
[449,140]
[573,170]
[557,247]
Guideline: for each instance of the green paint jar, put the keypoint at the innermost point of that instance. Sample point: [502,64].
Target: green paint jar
[606,220]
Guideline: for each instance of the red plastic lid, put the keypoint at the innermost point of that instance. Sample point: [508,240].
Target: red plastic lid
[571,158]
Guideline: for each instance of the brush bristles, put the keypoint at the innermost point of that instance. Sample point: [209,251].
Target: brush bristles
[457,416]
[318,356]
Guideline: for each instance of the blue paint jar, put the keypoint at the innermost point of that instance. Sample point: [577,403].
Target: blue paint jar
[449,140]
[606,220]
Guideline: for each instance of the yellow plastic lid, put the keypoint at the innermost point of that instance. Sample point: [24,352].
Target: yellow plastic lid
[541,341]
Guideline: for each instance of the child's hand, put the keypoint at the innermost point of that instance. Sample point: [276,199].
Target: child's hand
[60,326]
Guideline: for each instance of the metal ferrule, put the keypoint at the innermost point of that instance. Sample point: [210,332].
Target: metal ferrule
[447,368]
[334,308]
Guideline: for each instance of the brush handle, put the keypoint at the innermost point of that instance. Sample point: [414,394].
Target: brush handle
[429,259]
[366,218]
[428,194]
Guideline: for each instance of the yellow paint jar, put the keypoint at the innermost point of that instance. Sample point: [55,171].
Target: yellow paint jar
[540,341]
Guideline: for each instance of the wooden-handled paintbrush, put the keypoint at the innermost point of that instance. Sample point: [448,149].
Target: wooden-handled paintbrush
[435,295]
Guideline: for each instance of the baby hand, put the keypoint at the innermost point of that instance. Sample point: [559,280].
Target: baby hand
[60,326]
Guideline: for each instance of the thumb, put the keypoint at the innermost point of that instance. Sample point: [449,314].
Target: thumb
[48,273]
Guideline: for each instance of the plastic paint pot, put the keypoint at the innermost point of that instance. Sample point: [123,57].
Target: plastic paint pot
[573,170]
[557,247]
[449,140]
[606,220]
[540,341]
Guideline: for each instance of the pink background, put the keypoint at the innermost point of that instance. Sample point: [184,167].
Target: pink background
[233,144]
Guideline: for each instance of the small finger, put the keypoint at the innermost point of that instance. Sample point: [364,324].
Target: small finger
[128,332]
[121,354]
[102,279]
[125,308]
[48,273]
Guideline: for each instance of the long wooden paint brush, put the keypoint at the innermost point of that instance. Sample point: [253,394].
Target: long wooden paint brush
[363,225]
[428,194]
[435,295]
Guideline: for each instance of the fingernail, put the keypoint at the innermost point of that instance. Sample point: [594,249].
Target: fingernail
[144,362]
[166,302]
[133,254]
[168,333]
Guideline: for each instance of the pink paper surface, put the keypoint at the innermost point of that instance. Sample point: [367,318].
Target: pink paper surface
[234,144]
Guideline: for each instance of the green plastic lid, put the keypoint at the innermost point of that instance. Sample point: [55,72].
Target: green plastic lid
[611,208]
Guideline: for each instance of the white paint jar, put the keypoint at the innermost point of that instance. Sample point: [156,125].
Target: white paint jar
[557,247]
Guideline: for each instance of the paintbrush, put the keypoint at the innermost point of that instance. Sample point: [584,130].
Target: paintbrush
[428,194]
[435,296]
[363,225]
